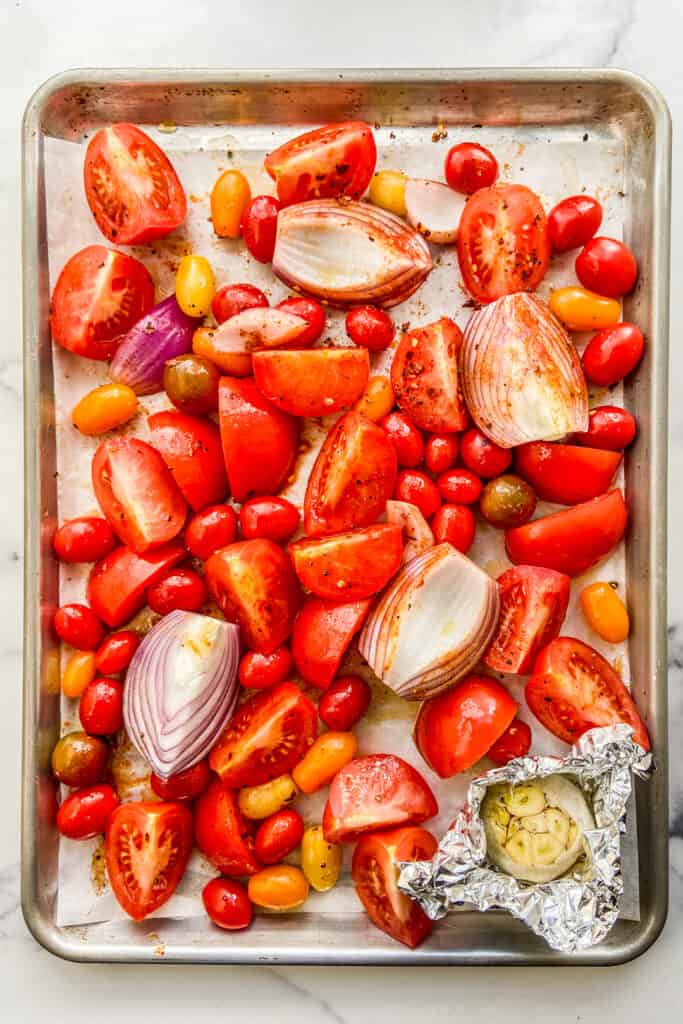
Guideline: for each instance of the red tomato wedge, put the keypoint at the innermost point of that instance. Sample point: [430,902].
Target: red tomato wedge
[502,242]
[147,847]
[321,636]
[336,160]
[424,376]
[131,187]
[566,473]
[222,834]
[375,875]
[99,295]
[254,585]
[266,737]
[352,478]
[137,493]
[259,441]
[533,604]
[191,448]
[119,581]
[572,540]
[313,382]
[574,689]
[349,566]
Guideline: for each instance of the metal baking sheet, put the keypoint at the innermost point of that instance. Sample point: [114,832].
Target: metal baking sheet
[610,123]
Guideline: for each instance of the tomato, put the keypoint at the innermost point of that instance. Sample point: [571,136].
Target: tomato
[181,589]
[335,160]
[274,518]
[573,222]
[454,730]
[84,539]
[99,295]
[605,612]
[118,583]
[418,489]
[456,525]
[469,167]
[80,760]
[352,478]
[132,190]
[280,887]
[309,310]
[259,441]
[373,792]
[406,439]
[459,486]
[86,812]
[482,456]
[116,652]
[278,835]
[507,501]
[221,833]
[321,762]
[185,785]
[262,801]
[191,382]
[533,604]
[232,299]
[194,285]
[254,585]
[191,448]
[582,310]
[375,874]
[211,529]
[258,671]
[612,354]
[573,689]
[502,242]
[351,565]
[147,847]
[137,493]
[572,540]
[267,736]
[607,267]
[227,904]
[322,633]
[79,671]
[344,702]
[230,196]
[441,452]
[312,382]
[377,400]
[388,191]
[424,376]
[515,742]
[101,706]
[76,624]
[259,225]
[564,473]
[321,862]
[609,428]
[370,327]
[104,408]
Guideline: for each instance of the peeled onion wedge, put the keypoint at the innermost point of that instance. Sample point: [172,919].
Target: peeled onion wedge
[434,209]
[252,330]
[417,533]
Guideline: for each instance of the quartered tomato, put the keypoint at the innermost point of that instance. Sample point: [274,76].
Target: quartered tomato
[352,478]
[336,160]
[222,834]
[99,295]
[424,376]
[191,448]
[533,604]
[573,689]
[609,428]
[266,737]
[118,583]
[573,222]
[515,742]
[147,847]
[313,382]
[565,473]
[322,633]
[351,565]
[131,187]
[502,242]
[137,493]
[374,792]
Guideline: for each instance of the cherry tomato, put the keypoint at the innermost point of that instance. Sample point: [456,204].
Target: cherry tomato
[482,456]
[321,862]
[566,473]
[181,589]
[351,565]
[227,904]
[104,408]
[582,310]
[101,706]
[417,488]
[321,636]
[211,529]
[607,267]
[344,703]
[273,518]
[377,400]
[335,160]
[441,451]
[313,382]
[321,762]
[612,354]
[83,540]
[370,327]
[573,222]
[507,501]
[116,652]
[185,785]
[76,624]
[280,887]
[515,742]
[309,310]
[80,760]
[469,167]
[259,671]
[118,582]
[605,612]
[424,376]
[85,813]
[191,448]
[459,486]
[259,224]
[260,802]
[456,525]
[232,299]
[609,428]
[194,285]
[405,437]
[79,671]
[191,382]
[388,191]
[533,604]
[230,196]
[278,835]
[221,833]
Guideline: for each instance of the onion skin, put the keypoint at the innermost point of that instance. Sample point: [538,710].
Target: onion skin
[162,334]
[434,209]
[521,375]
[417,533]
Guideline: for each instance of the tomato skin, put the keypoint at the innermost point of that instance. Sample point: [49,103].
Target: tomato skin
[85,813]
[185,785]
[607,267]
[80,760]
[309,310]
[259,671]
[76,624]
[612,354]
[441,452]
[482,456]
[278,887]
[191,448]
[533,604]
[230,196]
[605,612]
[573,689]
[232,299]
[344,703]
[388,191]
[211,529]
[259,225]
[181,589]
[79,671]
[278,835]
[312,382]
[222,834]
[116,652]
[459,486]
[84,539]
[118,582]
[322,633]
[335,160]
[191,382]
[515,742]
[420,490]
[101,707]
[582,310]
[609,428]
[455,524]
[425,378]
[406,439]
[104,408]
[469,167]
[351,565]
[573,222]
[370,327]
[227,904]
[324,758]
[566,474]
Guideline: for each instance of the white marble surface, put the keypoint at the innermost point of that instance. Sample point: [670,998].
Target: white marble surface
[41,37]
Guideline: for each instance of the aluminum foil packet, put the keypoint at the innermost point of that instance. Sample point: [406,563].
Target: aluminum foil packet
[573,912]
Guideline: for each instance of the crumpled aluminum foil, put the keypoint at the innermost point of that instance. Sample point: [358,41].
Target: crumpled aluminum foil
[573,912]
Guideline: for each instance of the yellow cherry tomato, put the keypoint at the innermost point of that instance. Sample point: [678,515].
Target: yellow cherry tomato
[388,190]
[79,671]
[581,310]
[194,285]
[323,759]
[280,887]
[377,400]
[320,861]
[104,408]
[235,364]
[229,199]
[605,612]
[258,802]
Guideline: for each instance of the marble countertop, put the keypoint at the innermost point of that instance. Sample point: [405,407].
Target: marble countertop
[42,37]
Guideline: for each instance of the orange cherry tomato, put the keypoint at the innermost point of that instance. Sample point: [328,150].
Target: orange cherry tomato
[581,310]
[377,401]
[605,612]
[80,671]
[104,408]
[280,887]
[323,759]
[230,197]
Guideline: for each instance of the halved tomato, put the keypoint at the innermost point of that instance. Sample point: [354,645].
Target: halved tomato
[349,565]
[222,833]
[424,376]
[254,585]
[566,473]
[352,478]
[118,582]
[137,493]
[574,689]
[322,633]
[267,736]
[375,792]
[313,382]
[336,160]
[191,448]
[131,187]
[146,848]
[99,295]
[502,242]
[533,604]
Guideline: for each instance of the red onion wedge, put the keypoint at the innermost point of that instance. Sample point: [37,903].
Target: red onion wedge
[162,334]
[417,533]
[432,624]
[434,209]
[181,690]
[260,327]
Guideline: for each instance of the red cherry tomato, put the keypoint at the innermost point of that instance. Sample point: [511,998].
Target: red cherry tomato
[274,518]
[191,448]
[258,671]
[322,633]
[101,706]
[370,327]
[515,742]
[259,224]
[232,299]
[459,486]
[441,451]
[211,529]
[85,813]
[83,540]
[310,311]
[222,834]
[607,267]
[181,589]
[227,904]
[118,582]
[470,166]
[186,785]
[278,835]
[612,354]
[416,487]
[76,624]
[573,222]
[456,525]
[609,428]
[344,703]
[533,604]
[116,652]
[482,456]
[335,160]
[405,437]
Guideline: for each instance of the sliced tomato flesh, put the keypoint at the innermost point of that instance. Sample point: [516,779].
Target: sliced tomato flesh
[533,604]
[349,565]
